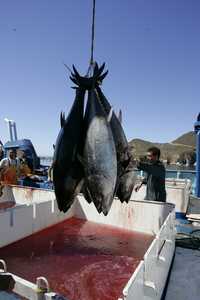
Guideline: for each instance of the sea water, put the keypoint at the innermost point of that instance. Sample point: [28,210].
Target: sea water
[170,173]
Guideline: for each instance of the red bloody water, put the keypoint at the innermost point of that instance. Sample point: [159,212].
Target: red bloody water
[82,260]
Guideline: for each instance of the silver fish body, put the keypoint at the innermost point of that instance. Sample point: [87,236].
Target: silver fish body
[67,170]
[125,181]
[99,155]
[126,185]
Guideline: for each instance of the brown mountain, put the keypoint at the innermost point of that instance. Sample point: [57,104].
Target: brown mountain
[186,139]
[169,151]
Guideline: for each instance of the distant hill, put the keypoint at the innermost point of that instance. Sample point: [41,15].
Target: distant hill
[169,151]
[186,139]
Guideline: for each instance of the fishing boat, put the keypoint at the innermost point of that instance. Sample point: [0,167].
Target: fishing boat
[34,210]
[138,240]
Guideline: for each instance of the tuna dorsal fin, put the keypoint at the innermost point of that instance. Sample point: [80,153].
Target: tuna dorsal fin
[120,116]
[62,119]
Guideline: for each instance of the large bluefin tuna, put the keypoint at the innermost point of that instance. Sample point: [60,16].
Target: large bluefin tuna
[67,170]
[99,155]
[126,176]
[117,130]
[126,184]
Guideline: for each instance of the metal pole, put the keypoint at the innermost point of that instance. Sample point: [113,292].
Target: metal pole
[15,131]
[10,130]
[197,130]
[197,190]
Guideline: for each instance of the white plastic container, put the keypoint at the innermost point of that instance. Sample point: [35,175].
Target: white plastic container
[178,192]
[148,280]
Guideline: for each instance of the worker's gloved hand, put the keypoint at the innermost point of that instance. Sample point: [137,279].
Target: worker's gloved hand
[142,158]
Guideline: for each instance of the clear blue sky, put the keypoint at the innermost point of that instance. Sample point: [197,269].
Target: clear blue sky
[151,48]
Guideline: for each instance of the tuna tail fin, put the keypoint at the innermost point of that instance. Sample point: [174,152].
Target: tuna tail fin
[101,78]
[96,68]
[75,72]
[101,69]
[62,119]
[74,80]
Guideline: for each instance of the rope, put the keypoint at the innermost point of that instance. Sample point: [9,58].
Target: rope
[92,43]
[91,65]
[191,240]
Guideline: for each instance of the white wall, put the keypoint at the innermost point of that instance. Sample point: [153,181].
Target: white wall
[149,279]
[25,219]
[143,216]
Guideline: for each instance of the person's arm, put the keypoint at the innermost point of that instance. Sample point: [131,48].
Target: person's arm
[143,166]
[150,168]
[1,173]
[139,185]
[50,172]
[2,164]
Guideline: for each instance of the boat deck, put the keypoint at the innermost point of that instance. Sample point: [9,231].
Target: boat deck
[184,282]
[10,296]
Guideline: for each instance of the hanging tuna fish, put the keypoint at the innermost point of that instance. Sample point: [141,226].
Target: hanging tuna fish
[126,176]
[99,153]
[92,149]
[67,170]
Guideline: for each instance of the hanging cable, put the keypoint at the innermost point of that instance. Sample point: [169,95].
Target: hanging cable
[91,65]
[92,42]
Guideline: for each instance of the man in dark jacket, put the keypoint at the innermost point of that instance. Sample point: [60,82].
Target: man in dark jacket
[155,179]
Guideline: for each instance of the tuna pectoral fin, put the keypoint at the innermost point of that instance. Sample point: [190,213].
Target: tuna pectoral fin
[87,194]
[79,187]
[109,117]
[73,185]
[98,206]
[81,160]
